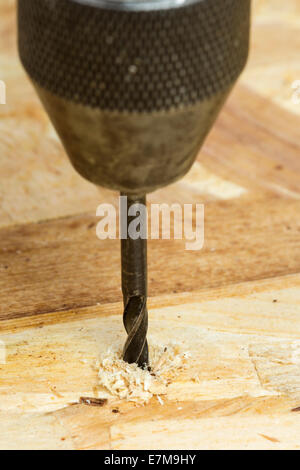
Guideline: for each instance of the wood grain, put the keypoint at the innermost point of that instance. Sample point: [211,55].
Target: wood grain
[61,264]
[256,145]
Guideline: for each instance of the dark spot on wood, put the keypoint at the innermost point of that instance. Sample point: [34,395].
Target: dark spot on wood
[296,410]
[274,301]
[92,401]
[74,225]
[278,167]
[115,410]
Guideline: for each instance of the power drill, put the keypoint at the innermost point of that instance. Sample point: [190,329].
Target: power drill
[132,88]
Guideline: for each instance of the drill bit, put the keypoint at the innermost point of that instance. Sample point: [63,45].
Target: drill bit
[134,283]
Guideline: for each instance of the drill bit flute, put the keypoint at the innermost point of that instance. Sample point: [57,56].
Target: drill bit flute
[133,88]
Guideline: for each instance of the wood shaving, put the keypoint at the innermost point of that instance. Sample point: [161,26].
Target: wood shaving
[131,383]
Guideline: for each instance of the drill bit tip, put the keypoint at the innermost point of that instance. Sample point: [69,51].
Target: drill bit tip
[136,325]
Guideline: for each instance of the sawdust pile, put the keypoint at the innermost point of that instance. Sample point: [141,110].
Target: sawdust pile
[131,383]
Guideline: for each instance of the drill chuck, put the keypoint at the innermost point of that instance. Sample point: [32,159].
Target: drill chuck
[133,87]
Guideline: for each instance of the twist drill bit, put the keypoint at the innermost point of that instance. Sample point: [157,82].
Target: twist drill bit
[133,87]
[134,283]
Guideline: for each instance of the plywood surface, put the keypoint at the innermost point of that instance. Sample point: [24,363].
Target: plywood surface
[235,305]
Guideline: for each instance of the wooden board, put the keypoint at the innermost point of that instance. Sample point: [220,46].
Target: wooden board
[235,305]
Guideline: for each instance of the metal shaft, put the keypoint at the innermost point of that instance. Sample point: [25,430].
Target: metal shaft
[134,280]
